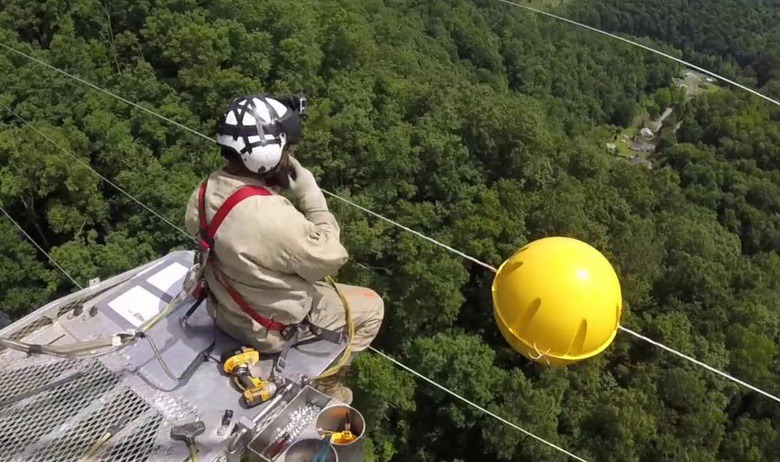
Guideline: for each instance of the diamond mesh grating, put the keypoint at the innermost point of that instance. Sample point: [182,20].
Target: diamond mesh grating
[64,422]
[16,381]
[24,422]
[122,407]
[139,440]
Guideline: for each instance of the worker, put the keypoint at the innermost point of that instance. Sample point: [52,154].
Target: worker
[269,257]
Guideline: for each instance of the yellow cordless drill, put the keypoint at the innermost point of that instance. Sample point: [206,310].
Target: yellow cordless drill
[254,390]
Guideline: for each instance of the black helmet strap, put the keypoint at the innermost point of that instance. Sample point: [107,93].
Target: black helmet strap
[289,124]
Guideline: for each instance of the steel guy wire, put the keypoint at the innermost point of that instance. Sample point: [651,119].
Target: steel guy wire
[157,354]
[92,85]
[699,363]
[416,233]
[473,404]
[644,47]
[51,259]
[723,374]
[85,164]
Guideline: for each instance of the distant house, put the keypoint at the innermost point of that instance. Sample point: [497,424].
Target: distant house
[611,148]
[646,132]
[710,80]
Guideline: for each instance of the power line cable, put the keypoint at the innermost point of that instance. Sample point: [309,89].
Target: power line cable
[92,85]
[644,47]
[699,363]
[473,404]
[29,238]
[85,164]
[416,233]
[723,374]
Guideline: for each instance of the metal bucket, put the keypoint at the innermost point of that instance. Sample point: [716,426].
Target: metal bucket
[332,419]
[305,450]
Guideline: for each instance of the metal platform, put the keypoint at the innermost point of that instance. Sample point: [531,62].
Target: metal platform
[56,409]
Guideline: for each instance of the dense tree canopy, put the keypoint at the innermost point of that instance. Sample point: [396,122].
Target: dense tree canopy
[739,38]
[477,124]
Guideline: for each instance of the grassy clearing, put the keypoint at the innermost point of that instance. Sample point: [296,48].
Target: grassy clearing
[697,83]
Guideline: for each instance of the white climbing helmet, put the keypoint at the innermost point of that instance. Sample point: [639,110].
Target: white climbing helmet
[257,128]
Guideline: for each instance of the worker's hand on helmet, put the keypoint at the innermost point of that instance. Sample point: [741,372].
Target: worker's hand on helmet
[304,188]
[301,179]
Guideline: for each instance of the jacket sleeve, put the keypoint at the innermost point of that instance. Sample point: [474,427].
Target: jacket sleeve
[191,216]
[312,243]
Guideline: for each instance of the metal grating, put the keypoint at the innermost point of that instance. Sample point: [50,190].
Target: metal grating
[24,422]
[17,381]
[137,444]
[64,422]
[119,409]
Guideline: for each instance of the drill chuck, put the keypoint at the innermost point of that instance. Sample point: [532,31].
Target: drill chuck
[260,393]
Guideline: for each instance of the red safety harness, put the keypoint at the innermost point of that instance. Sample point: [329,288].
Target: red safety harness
[207,233]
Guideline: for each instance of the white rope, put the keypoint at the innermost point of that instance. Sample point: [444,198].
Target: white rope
[29,238]
[699,363]
[92,85]
[85,164]
[473,404]
[644,47]
[416,233]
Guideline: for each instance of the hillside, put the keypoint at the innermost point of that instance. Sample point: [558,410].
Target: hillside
[740,39]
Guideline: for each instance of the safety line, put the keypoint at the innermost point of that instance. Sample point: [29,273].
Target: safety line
[699,363]
[51,259]
[376,214]
[84,164]
[416,233]
[644,47]
[92,85]
[473,404]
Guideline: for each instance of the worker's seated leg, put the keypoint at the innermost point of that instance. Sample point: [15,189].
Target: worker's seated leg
[367,309]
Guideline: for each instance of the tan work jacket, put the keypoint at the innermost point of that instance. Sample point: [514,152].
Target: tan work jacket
[270,252]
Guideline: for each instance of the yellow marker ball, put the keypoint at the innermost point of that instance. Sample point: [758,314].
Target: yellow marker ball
[557,301]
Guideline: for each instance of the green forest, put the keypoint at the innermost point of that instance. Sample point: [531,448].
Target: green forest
[737,38]
[477,123]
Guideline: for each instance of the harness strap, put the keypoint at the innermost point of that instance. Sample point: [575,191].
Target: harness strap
[294,334]
[207,233]
[268,323]
[209,230]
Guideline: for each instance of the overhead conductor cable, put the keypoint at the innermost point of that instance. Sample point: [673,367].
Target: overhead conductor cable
[444,246]
[644,47]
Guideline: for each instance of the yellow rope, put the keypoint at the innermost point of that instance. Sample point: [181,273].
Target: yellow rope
[350,329]
[193,453]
